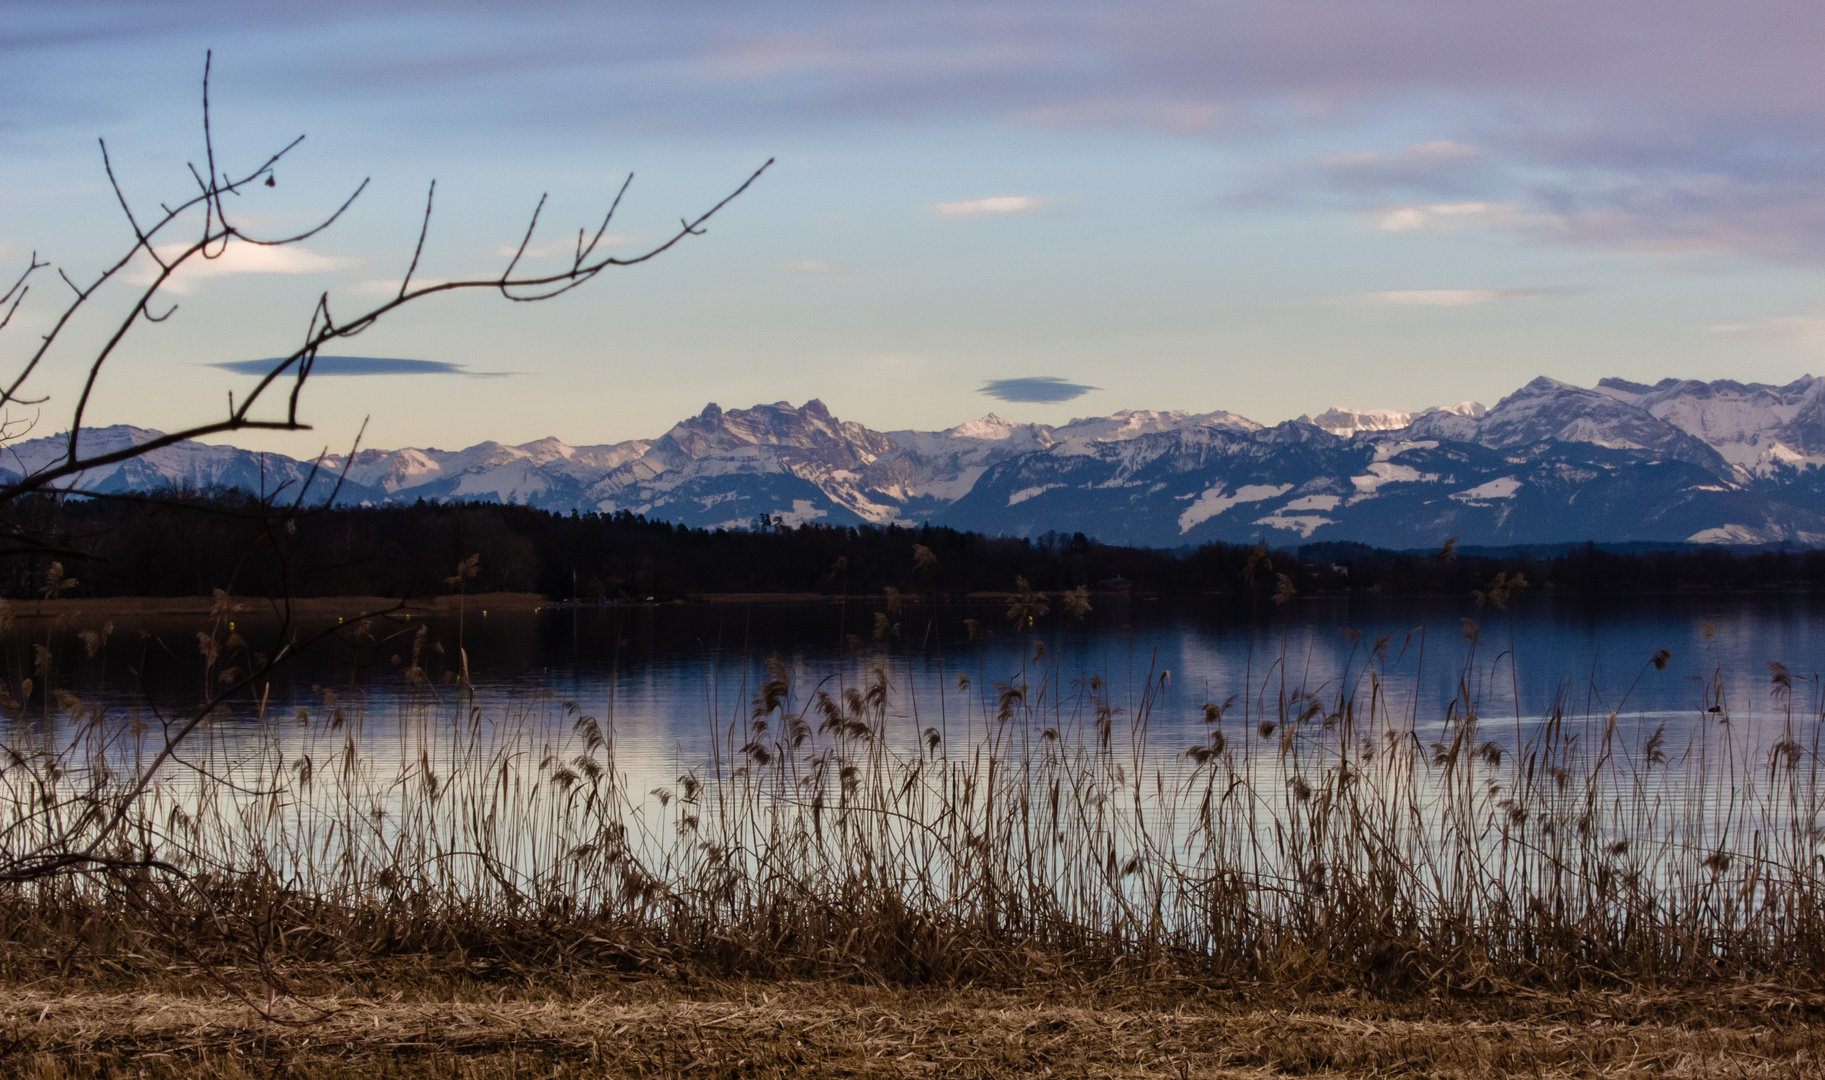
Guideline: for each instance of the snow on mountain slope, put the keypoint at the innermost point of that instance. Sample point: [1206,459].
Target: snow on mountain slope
[398,470]
[1546,410]
[1344,422]
[1295,483]
[1132,423]
[1755,426]
[694,472]
[189,466]
[933,469]
[393,470]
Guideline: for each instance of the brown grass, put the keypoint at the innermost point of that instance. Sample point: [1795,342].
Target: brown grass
[813,1030]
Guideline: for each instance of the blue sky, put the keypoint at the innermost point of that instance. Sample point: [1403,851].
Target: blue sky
[1263,207]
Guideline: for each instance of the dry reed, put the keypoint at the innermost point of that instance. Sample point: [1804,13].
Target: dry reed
[1316,840]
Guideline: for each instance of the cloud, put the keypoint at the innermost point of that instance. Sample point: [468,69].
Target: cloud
[1804,330]
[236,258]
[361,365]
[1442,217]
[1638,124]
[1434,154]
[1442,150]
[1441,166]
[997,204]
[1662,209]
[1665,190]
[1046,389]
[1449,297]
[1765,211]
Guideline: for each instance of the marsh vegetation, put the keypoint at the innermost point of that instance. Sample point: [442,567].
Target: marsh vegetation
[1319,836]
[1334,839]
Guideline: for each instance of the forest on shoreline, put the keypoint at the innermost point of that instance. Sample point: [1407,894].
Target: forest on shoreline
[191,545]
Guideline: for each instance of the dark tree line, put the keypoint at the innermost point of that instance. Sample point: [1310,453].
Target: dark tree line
[1574,569]
[178,545]
[187,545]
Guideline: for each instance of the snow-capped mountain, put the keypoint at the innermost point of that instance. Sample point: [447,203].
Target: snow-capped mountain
[188,466]
[1346,422]
[1546,410]
[1296,482]
[728,468]
[1720,462]
[540,472]
[1762,429]
[932,470]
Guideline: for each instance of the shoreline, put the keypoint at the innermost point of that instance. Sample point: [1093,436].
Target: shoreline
[356,607]
[364,606]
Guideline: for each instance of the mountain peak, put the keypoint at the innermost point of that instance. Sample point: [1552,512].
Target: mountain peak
[987,427]
[1472,409]
[804,430]
[550,448]
[1757,427]
[1344,422]
[1547,410]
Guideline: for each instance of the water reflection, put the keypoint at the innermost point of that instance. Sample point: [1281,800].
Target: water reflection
[1161,732]
[677,682]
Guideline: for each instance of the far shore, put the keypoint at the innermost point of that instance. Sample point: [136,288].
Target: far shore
[347,607]
[358,607]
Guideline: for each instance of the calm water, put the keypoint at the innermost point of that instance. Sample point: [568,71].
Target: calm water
[677,681]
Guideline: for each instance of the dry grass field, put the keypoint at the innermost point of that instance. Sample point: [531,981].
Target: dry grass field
[660,1028]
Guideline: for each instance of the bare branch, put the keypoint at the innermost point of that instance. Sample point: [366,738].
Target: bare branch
[68,315]
[15,295]
[418,249]
[218,233]
[520,252]
[139,234]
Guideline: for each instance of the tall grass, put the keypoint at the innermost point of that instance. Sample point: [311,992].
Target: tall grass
[1316,837]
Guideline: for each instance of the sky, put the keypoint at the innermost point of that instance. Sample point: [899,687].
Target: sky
[1045,210]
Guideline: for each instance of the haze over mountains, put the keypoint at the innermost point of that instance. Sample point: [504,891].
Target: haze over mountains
[1720,462]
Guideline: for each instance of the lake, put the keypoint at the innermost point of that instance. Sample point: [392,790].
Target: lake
[677,680]
[1147,752]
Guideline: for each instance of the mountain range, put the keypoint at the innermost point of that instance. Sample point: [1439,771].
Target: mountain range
[1679,461]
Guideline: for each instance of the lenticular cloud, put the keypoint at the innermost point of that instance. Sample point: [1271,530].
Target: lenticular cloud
[1039,388]
[354,365]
